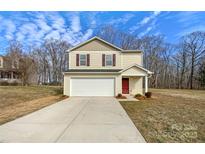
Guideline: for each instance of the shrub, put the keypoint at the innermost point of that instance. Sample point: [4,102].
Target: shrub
[148,94]
[4,83]
[14,83]
[119,95]
[138,95]
[58,91]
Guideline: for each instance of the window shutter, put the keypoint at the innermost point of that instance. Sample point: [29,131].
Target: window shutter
[103,60]
[114,59]
[77,59]
[88,59]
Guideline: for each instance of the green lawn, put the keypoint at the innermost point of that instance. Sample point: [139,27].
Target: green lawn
[170,116]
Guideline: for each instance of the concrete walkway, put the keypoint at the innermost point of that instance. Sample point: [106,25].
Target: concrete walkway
[77,119]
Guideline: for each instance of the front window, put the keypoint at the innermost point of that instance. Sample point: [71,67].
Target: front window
[108,60]
[82,60]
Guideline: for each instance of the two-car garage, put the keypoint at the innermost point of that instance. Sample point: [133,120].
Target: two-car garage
[92,87]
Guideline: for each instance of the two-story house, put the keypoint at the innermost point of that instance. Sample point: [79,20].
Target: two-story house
[98,68]
[9,70]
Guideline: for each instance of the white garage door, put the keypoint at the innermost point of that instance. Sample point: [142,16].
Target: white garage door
[92,87]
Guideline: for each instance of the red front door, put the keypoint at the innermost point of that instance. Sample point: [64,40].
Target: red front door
[125,85]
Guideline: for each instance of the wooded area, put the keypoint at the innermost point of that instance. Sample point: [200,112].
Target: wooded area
[180,65]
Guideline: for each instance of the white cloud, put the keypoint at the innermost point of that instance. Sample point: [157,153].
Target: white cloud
[123,19]
[88,34]
[8,27]
[59,24]
[20,36]
[44,25]
[149,18]
[11,28]
[190,30]
[75,23]
[28,28]
[53,34]
[148,29]
[145,32]
[145,21]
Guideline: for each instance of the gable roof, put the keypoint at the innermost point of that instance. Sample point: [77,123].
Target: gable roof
[99,39]
[95,38]
[138,66]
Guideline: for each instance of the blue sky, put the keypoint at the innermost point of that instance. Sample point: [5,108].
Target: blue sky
[32,28]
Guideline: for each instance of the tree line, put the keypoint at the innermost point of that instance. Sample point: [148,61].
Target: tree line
[180,65]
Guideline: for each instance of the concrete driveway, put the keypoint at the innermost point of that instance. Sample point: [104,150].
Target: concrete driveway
[77,119]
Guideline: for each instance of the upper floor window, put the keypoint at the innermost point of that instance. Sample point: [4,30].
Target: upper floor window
[109,60]
[82,60]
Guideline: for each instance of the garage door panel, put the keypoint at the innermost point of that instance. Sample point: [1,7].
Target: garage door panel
[92,87]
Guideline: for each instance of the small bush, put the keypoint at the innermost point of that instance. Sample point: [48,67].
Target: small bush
[148,94]
[14,83]
[59,91]
[119,95]
[138,95]
[4,83]
[51,83]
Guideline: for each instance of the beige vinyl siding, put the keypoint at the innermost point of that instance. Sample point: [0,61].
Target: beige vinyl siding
[129,59]
[96,48]
[95,60]
[95,45]
[135,85]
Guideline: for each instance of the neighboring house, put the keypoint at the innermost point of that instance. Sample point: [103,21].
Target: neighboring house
[9,71]
[98,68]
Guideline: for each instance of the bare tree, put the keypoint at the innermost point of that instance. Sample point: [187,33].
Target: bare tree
[181,58]
[28,69]
[194,45]
[21,61]
[52,60]
[108,33]
[201,73]
[119,38]
[153,47]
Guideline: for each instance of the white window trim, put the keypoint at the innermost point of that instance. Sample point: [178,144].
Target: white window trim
[85,59]
[111,60]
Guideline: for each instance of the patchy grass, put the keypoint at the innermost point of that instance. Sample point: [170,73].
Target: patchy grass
[185,93]
[170,116]
[16,101]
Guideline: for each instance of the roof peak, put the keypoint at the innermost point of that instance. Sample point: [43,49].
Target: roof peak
[104,41]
